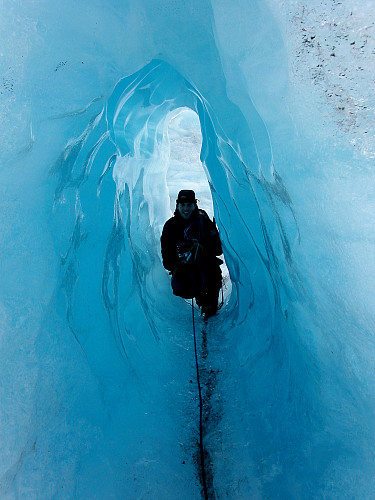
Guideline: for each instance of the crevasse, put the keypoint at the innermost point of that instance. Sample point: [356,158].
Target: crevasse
[98,386]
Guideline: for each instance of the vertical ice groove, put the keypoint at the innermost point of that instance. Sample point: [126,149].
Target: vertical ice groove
[107,167]
[111,274]
[66,163]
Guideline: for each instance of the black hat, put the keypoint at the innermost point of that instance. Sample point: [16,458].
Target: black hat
[186,196]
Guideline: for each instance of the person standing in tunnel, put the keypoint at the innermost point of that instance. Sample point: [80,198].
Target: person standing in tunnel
[190,244]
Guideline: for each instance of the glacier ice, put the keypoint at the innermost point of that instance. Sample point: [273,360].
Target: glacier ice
[105,108]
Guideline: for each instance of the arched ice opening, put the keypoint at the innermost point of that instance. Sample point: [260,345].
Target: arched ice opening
[131,339]
[97,351]
[111,201]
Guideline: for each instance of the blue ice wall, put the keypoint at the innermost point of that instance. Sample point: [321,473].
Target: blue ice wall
[98,394]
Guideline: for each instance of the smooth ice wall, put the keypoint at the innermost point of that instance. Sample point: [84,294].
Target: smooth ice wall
[293,200]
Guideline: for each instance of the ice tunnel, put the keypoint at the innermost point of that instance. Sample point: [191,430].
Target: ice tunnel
[99,394]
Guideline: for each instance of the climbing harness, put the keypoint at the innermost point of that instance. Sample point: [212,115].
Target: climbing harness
[204,482]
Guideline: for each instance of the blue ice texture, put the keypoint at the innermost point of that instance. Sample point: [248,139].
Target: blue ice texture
[266,109]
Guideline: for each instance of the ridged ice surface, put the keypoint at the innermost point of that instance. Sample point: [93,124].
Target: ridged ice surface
[266,109]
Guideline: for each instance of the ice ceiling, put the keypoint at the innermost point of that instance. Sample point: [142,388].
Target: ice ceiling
[105,108]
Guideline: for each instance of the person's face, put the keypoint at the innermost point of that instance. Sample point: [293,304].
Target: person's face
[185,209]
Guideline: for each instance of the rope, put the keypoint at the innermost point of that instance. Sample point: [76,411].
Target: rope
[200,410]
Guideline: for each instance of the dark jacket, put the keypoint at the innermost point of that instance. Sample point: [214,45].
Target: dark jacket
[180,234]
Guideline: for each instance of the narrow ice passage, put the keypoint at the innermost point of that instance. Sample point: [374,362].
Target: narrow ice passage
[97,374]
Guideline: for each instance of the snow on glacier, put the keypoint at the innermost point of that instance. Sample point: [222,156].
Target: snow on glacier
[105,110]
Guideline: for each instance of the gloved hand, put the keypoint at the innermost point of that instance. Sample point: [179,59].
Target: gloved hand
[187,250]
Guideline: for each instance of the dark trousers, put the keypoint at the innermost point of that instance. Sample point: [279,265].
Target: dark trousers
[200,280]
[208,295]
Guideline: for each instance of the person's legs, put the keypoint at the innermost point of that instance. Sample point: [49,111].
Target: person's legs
[207,299]
[183,282]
